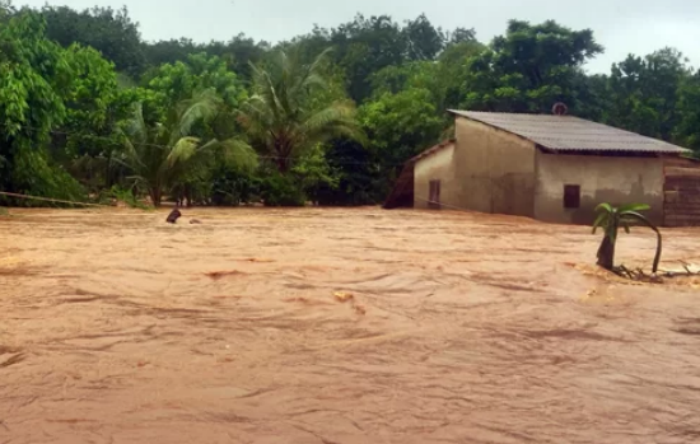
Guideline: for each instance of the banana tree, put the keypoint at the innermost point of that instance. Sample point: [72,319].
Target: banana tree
[610,219]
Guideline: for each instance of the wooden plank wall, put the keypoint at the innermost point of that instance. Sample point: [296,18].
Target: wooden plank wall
[681,193]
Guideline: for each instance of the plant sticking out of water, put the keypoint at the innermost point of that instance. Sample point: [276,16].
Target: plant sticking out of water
[127,196]
[610,219]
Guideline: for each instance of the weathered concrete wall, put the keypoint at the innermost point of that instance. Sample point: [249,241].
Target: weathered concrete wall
[496,170]
[616,180]
[437,166]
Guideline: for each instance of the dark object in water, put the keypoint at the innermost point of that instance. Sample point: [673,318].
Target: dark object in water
[195,221]
[174,216]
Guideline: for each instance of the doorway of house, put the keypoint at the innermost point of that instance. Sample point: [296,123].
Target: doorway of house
[434,195]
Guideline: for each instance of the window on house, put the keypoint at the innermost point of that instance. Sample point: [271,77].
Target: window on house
[572,196]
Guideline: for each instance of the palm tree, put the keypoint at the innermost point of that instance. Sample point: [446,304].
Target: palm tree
[165,155]
[285,117]
[610,219]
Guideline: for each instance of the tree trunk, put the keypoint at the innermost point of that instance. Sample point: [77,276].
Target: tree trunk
[156,197]
[188,195]
[606,253]
[283,165]
[283,152]
[657,256]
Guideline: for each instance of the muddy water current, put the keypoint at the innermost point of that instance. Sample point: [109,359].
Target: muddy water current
[338,326]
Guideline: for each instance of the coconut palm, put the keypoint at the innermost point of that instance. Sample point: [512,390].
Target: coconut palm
[285,117]
[163,155]
[610,219]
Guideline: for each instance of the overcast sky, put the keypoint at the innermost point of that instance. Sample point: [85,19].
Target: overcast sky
[622,26]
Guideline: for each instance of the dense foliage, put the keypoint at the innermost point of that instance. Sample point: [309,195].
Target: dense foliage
[89,110]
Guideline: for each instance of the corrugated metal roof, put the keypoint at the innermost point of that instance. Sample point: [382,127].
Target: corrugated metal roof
[568,133]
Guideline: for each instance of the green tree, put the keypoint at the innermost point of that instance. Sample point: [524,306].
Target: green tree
[168,85]
[111,32]
[395,79]
[366,45]
[162,157]
[423,40]
[356,176]
[452,70]
[307,47]
[461,35]
[363,47]
[398,127]
[644,93]
[443,81]
[238,53]
[89,136]
[177,81]
[168,52]
[34,76]
[593,97]
[280,119]
[314,173]
[610,219]
[529,69]
[687,131]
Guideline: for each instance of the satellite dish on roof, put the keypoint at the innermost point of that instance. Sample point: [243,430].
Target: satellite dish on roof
[560,109]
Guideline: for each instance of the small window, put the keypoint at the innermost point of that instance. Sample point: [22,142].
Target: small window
[572,196]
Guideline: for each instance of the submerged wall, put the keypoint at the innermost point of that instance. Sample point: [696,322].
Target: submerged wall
[436,166]
[616,180]
[495,169]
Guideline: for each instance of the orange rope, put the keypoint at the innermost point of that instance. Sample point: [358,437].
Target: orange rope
[46,199]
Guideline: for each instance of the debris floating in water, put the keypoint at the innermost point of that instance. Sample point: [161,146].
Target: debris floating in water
[342,296]
[173,216]
[216,275]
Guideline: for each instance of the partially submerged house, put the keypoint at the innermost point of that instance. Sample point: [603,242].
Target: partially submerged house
[554,168]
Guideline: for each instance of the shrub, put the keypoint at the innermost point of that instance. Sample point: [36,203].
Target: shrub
[279,190]
[127,196]
[232,187]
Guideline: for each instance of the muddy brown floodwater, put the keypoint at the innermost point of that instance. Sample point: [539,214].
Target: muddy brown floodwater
[338,326]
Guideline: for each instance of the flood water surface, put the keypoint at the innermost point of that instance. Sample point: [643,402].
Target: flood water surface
[338,327]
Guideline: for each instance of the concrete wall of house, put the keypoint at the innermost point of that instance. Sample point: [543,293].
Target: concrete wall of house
[436,166]
[616,180]
[495,169]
